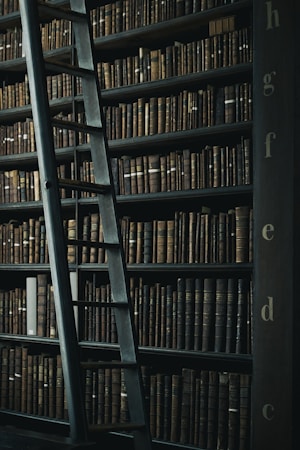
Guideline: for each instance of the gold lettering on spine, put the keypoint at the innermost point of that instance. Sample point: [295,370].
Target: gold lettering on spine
[269,87]
[267,311]
[272,17]
[268,411]
[268,232]
[269,138]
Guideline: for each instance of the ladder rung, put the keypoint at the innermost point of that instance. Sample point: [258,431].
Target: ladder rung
[84,186]
[101,304]
[130,426]
[68,68]
[76,126]
[107,364]
[81,243]
[56,12]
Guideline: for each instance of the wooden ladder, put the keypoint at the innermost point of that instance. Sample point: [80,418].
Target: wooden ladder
[32,13]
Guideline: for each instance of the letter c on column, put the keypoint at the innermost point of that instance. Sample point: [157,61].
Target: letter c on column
[268,411]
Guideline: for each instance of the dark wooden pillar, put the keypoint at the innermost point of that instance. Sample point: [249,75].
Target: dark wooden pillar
[276,222]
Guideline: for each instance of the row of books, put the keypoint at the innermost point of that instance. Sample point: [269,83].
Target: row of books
[11,44]
[24,185]
[190,237]
[14,95]
[13,306]
[29,310]
[195,168]
[187,237]
[25,241]
[17,138]
[208,409]
[211,166]
[179,59]
[8,6]
[60,85]
[125,15]
[201,314]
[184,111]
[31,383]
[58,33]
[198,314]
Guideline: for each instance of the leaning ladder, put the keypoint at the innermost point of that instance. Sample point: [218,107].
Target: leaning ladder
[37,67]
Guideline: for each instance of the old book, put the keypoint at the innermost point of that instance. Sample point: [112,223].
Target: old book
[140,175]
[234,411]
[175,408]
[170,241]
[127,175]
[154,173]
[41,311]
[212,407]
[132,242]
[167,406]
[24,379]
[42,239]
[11,377]
[71,235]
[145,314]
[242,315]
[152,315]
[223,401]
[51,329]
[229,104]
[152,410]
[161,115]
[159,413]
[198,318]
[190,240]
[221,238]
[231,317]
[59,390]
[230,236]
[18,378]
[189,313]
[180,313]
[245,399]
[148,241]
[185,406]
[208,314]
[31,305]
[203,410]
[4,376]
[161,241]
[163,173]
[158,307]
[51,386]
[220,314]
[242,216]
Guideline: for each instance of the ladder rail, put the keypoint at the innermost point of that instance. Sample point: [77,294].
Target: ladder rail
[53,217]
[117,270]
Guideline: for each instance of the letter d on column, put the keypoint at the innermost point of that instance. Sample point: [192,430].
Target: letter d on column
[267,311]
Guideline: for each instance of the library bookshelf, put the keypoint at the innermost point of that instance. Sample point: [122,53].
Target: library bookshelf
[181,83]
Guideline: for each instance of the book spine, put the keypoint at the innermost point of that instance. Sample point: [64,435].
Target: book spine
[31,305]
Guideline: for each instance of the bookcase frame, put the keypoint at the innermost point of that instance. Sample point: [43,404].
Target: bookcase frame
[274,412]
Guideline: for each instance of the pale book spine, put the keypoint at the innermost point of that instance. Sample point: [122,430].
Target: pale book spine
[74,292]
[31,305]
